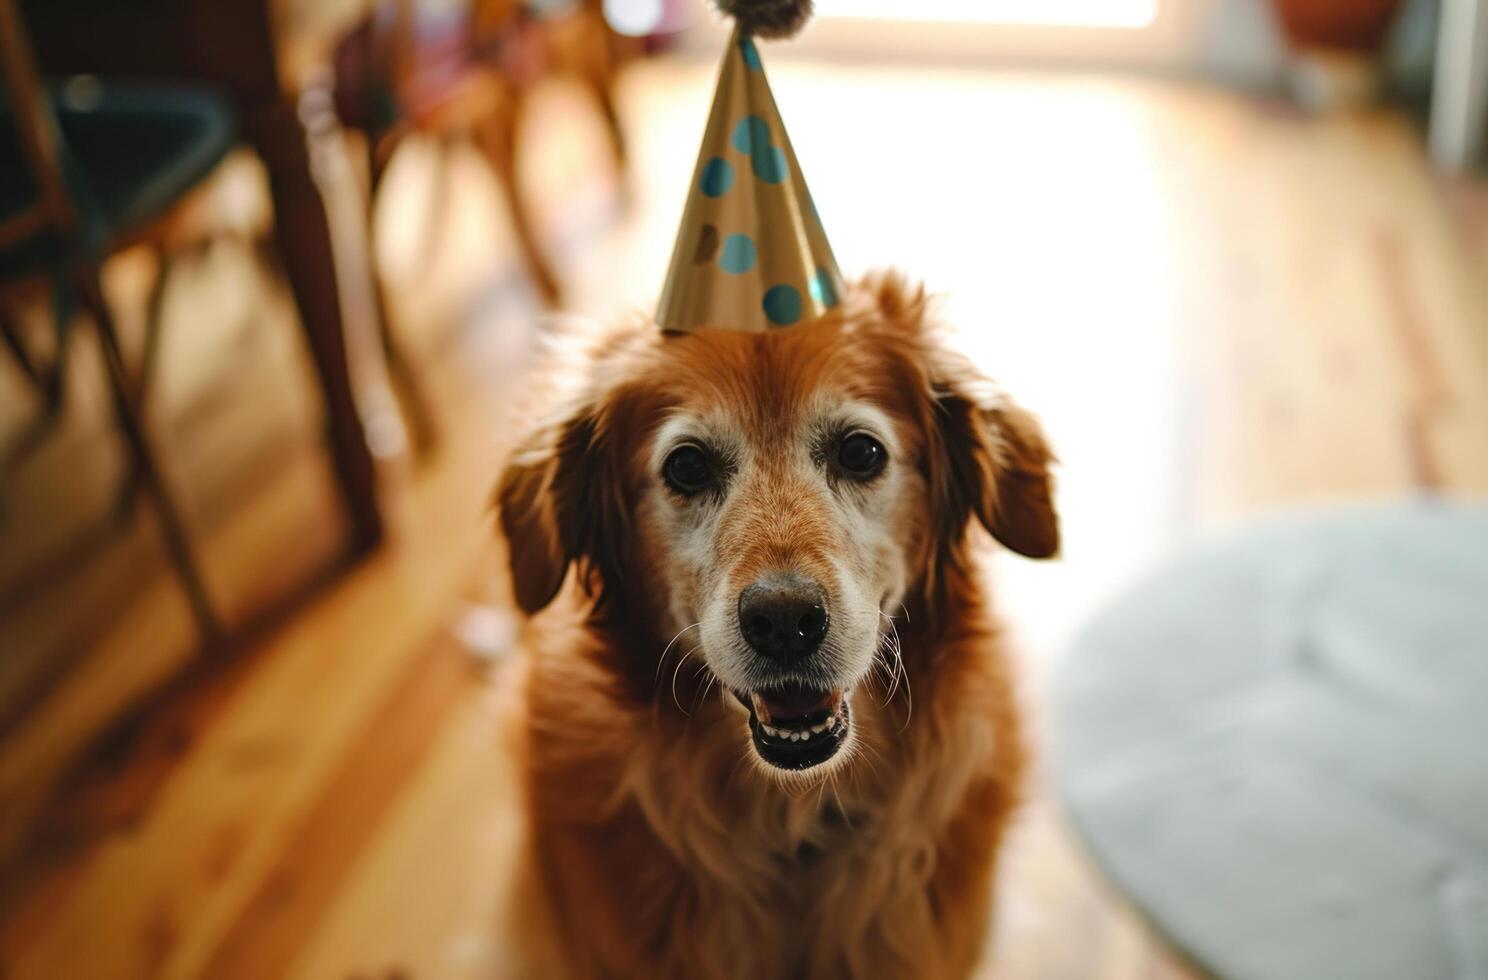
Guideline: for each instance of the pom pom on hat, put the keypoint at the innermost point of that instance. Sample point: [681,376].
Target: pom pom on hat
[768,18]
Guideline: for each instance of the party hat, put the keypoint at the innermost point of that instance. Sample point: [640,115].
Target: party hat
[751,253]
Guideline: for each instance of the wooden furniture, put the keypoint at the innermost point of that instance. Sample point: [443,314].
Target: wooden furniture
[101,166]
[1355,25]
[230,44]
[465,75]
[456,74]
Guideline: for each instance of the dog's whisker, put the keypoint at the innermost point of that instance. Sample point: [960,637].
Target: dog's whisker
[897,648]
[891,668]
[676,671]
[702,694]
[908,697]
[882,666]
[879,678]
[673,642]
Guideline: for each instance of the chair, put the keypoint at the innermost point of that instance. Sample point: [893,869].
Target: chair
[455,74]
[85,169]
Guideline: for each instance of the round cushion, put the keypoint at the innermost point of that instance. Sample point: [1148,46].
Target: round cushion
[1277,747]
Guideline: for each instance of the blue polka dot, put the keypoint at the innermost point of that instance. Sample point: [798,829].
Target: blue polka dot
[717,177]
[783,305]
[750,54]
[751,132]
[822,288]
[769,164]
[737,255]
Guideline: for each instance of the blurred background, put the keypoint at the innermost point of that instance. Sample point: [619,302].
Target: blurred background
[271,272]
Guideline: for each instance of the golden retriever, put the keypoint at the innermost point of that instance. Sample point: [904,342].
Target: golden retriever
[768,729]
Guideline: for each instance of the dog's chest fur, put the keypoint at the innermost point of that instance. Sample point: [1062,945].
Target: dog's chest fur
[693,863]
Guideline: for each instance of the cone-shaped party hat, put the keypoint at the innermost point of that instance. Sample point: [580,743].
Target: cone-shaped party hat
[751,253]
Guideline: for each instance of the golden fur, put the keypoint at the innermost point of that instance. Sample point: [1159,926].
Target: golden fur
[657,844]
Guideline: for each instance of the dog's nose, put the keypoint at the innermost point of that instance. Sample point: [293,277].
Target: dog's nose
[784,619]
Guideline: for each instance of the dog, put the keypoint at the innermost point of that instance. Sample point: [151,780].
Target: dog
[766,724]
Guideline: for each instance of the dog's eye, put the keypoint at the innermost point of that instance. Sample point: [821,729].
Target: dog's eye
[861,455]
[687,470]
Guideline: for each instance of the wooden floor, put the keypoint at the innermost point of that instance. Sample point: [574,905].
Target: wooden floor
[1219,307]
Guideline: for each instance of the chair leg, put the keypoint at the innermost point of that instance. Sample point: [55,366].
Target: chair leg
[172,529]
[154,315]
[407,386]
[49,383]
[12,336]
[605,96]
[598,71]
[140,388]
[440,195]
[496,136]
[30,440]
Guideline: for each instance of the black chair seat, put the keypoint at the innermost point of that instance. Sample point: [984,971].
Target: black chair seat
[130,153]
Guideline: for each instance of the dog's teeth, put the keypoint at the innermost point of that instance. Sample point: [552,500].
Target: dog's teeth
[801,734]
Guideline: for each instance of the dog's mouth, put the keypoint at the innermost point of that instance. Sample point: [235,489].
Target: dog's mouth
[797,727]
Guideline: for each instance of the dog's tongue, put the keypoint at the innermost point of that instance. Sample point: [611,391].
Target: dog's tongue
[794,702]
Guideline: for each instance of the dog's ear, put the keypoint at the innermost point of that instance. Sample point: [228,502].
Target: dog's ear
[988,454]
[557,499]
[998,466]
[1022,516]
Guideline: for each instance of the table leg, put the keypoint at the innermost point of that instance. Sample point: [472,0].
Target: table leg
[303,235]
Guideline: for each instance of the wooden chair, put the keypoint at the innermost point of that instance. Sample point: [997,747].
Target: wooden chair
[465,76]
[87,173]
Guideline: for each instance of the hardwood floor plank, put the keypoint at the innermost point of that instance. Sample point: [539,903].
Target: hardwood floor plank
[155,639]
[450,844]
[382,759]
[217,827]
